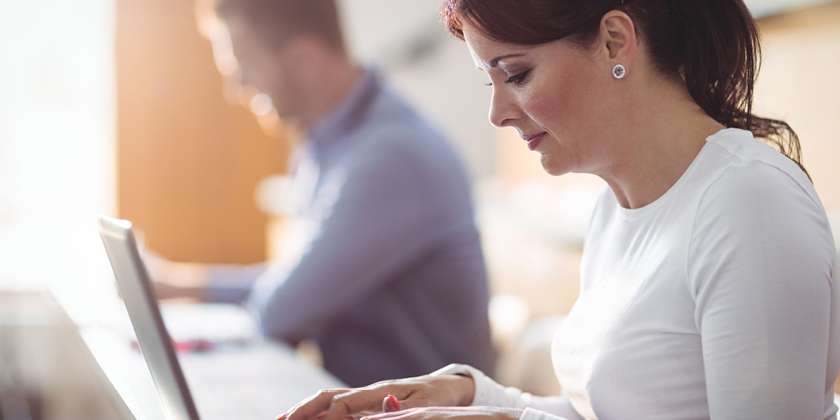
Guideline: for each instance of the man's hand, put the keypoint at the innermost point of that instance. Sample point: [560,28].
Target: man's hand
[175,280]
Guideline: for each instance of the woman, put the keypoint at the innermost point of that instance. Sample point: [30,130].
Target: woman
[706,279]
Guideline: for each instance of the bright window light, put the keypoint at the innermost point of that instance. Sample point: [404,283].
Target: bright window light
[56,142]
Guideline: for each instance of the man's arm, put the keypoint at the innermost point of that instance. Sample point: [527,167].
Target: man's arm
[202,282]
[231,283]
[383,214]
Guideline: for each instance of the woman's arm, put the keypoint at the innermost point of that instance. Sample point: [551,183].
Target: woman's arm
[759,266]
[487,392]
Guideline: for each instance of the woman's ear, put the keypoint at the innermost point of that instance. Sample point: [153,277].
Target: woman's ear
[618,37]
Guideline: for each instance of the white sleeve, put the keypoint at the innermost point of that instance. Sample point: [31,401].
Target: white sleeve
[759,267]
[489,393]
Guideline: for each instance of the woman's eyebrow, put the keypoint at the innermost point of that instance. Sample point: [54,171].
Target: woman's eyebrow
[495,62]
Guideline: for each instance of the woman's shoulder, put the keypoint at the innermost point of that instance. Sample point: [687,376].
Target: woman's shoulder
[756,195]
[761,199]
[750,172]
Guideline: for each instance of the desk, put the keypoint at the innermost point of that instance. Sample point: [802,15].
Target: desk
[245,377]
[46,371]
[91,371]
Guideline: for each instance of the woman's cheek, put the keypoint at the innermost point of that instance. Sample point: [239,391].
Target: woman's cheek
[546,108]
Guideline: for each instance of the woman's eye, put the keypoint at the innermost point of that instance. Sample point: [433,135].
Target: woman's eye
[519,78]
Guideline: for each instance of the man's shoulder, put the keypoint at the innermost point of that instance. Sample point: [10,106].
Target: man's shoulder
[392,117]
[401,136]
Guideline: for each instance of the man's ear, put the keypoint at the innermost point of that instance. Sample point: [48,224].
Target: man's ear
[305,48]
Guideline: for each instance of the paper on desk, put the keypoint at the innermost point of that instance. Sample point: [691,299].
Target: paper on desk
[219,323]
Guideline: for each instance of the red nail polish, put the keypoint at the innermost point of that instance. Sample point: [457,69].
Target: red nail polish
[392,403]
[281,417]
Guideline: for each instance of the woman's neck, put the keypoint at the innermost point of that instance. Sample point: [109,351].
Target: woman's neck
[667,135]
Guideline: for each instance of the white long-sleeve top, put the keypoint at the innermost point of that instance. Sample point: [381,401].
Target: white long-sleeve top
[713,302]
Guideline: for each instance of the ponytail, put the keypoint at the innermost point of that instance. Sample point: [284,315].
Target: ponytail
[713,45]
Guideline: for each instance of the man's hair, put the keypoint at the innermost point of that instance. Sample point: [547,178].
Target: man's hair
[278,21]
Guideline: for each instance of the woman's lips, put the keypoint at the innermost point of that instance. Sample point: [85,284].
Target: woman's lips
[535,140]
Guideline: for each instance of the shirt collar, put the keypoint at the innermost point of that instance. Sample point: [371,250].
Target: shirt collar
[348,113]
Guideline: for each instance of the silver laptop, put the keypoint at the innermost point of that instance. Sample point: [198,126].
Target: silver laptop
[154,340]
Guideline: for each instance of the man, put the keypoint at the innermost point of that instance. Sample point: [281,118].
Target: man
[391,282]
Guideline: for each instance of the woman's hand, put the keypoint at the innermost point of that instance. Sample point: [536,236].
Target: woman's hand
[417,392]
[450,413]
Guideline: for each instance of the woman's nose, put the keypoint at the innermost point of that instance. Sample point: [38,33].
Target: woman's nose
[502,109]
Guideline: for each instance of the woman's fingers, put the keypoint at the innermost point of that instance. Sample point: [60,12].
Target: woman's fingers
[390,403]
[340,403]
[406,394]
[355,401]
[401,415]
[412,400]
[312,407]
[449,413]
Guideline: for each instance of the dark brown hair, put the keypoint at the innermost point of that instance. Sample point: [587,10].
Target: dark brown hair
[712,45]
[277,21]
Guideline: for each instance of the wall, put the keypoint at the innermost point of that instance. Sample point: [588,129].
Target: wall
[407,41]
[188,162]
[798,83]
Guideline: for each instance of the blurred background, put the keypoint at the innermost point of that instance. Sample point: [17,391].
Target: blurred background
[115,107]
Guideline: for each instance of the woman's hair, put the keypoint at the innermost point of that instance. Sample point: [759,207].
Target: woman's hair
[712,45]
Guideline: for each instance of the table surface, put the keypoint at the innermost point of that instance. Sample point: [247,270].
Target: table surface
[243,377]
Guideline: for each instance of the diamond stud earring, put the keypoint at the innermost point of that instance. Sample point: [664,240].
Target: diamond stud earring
[618,71]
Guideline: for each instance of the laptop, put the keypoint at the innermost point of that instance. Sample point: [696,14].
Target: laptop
[155,343]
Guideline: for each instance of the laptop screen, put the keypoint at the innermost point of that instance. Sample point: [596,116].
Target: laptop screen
[155,344]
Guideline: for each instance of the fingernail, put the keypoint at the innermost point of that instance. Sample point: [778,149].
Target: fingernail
[391,403]
[281,417]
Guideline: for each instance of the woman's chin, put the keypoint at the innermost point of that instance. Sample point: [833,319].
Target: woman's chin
[552,166]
